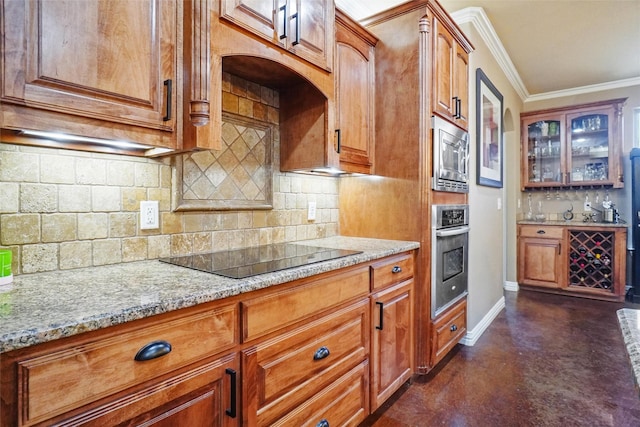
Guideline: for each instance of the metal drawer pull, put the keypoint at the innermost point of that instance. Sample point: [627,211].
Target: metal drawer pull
[454,328]
[396,269]
[541,232]
[231,412]
[379,327]
[323,423]
[297,18]
[153,350]
[321,353]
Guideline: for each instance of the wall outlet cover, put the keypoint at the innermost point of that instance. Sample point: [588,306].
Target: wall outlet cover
[149,215]
[311,212]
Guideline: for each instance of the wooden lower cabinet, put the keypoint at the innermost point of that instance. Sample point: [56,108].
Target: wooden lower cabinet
[286,371]
[391,340]
[146,371]
[447,330]
[294,354]
[586,260]
[540,254]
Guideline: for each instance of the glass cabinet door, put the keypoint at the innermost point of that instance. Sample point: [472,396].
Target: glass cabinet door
[588,148]
[544,152]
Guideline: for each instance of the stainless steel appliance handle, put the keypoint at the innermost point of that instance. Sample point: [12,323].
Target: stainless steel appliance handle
[452,232]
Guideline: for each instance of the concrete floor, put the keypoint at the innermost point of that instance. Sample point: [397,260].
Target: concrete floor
[546,360]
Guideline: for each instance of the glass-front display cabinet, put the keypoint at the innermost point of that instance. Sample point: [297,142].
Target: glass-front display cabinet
[573,146]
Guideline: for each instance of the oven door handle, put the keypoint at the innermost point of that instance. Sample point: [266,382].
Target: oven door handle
[453,232]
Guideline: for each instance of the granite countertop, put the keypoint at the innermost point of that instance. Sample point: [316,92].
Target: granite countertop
[43,307]
[629,320]
[575,223]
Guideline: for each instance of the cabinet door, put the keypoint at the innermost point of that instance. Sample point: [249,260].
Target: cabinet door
[79,58]
[354,74]
[303,27]
[461,86]
[258,16]
[443,54]
[592,158]
[391,341]
[448,330]
[205,395]
[539,262]
[311,31]
[544,151]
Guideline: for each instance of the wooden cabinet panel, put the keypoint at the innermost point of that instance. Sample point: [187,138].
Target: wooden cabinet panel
[541,231]
[77,58]
[391,270]
[291,367]
[540,262]
[305,28]
[343,403]
[265,314]
[355,92]
[83,372]
[448,330]
[461,86]
[451,77]
[392,340]
[198,396]
[258,16]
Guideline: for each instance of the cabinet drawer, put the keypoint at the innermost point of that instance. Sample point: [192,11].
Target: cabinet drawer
[88,370]
[448,330]
[292,367]
[278,309]
[542,231]
[392,270]
[343,403]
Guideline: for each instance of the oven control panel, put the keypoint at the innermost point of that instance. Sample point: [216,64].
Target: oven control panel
[446,216]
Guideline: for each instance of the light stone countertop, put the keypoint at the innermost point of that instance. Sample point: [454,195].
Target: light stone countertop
[43,307]
[629,320]
[575,224]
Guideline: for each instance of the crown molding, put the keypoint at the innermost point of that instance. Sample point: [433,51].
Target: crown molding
[479,19]
[616,84]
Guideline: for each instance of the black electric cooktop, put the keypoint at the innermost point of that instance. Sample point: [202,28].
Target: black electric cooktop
[241,263]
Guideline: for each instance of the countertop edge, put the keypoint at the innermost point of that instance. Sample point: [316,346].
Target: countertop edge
[42,333]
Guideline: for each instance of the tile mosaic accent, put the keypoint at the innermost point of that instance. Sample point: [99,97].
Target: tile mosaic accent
[237,177]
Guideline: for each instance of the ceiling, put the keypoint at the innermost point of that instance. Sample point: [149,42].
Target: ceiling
[552,46]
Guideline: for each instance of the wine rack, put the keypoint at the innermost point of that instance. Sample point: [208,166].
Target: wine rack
[591,255]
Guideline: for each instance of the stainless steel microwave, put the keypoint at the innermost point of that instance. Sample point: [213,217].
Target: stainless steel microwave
[450,157]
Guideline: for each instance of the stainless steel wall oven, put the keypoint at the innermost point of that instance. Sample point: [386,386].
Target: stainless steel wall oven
[450,256]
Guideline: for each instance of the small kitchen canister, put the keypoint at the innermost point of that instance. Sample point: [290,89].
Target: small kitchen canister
[6,275]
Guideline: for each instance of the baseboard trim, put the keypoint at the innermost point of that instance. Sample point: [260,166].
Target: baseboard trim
[511,286]
[473,335]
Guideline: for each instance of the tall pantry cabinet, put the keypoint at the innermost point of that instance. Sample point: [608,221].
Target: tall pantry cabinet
[398,201]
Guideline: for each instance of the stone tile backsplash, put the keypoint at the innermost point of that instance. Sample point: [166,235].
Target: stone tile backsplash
[62,209]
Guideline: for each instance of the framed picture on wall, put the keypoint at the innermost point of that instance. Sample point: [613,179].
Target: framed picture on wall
[489,129]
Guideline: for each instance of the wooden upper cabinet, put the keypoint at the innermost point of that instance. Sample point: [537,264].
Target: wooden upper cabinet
[305,28]
[108,72]
[109,60]
[355,90]
[573,146]
[451,77]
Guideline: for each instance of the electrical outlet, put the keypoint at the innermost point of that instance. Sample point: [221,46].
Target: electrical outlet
[149,215]
[311,212]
